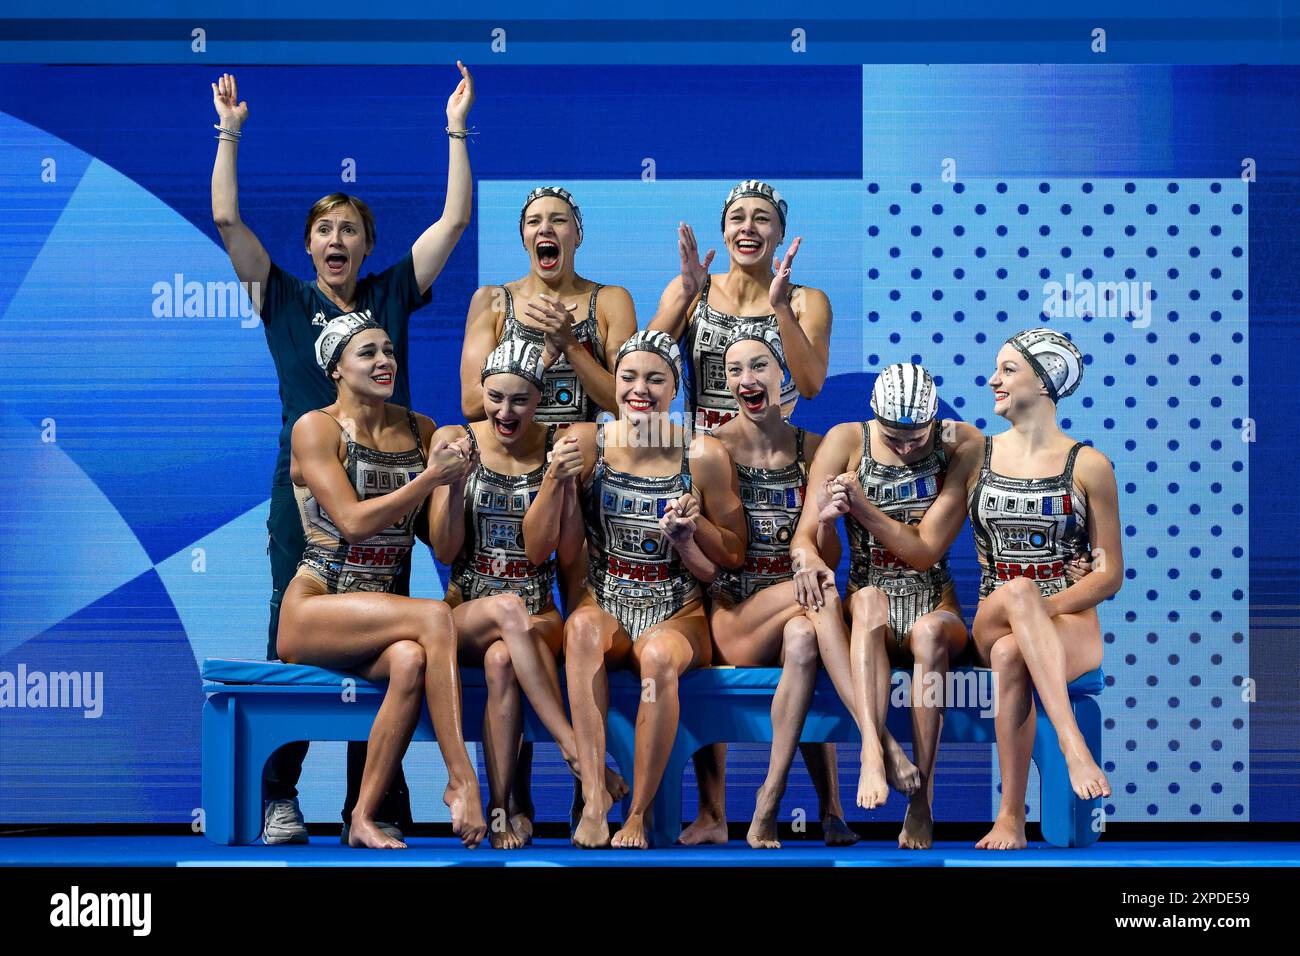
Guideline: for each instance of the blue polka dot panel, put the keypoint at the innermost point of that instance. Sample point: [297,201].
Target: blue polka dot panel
[1149,279]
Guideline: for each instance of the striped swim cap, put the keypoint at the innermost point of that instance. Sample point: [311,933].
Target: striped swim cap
[904,396]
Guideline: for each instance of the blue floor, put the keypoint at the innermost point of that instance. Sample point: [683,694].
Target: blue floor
[326,851]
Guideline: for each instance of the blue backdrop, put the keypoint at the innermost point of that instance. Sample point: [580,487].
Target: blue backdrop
[936,204]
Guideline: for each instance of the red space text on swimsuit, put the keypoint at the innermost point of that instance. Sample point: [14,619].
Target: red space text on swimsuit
[1006,570]
[636,571]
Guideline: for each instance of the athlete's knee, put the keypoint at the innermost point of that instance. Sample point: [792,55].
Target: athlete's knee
[1021,594]
[929,645]
[799,643]
[436,627]
[659,663]
[498,668]
[1005,658]
[405,667]
[870,606]
[509,612]
[585,634]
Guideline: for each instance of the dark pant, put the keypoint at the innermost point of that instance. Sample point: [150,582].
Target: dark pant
[285,545]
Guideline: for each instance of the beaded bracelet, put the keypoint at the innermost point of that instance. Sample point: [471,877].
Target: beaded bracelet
[462,134]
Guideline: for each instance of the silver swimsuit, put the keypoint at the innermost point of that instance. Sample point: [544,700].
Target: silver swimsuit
[633,570]
[563,397]
[709,403]
[773,499]
[492,559]
[904,493]
[1027,527]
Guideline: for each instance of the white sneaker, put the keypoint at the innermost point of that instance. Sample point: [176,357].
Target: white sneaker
[282,822]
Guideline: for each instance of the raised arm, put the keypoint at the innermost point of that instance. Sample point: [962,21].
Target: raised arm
[1095,476]
[429,252]
[806,337]
[252,264]
[480,340]
[446,508]
[680,293]
[316,459]
[922,545]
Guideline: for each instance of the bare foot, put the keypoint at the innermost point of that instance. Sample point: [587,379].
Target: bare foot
[901,773]
[632,834]
[523,825]
[592,830]
[918,827]
[873,788]
[466,814]
[1008,833]
[364,833]
[504,835]
[835,832]
[705,828]
[762,829]
[1086,778]
[615,784]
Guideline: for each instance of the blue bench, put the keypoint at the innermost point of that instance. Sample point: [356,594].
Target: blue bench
[255,707]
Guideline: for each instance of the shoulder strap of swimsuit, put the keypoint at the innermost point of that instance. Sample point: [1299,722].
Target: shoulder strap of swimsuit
[1068,474]
[550,439]
[591,305]
[866,443]
[470,432]
[415,430]
[510,303]
[345,432]
[798,444]
[704,289]
[686,460]
[988,453]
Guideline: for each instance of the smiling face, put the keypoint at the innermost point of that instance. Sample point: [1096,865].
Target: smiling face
[754,377]
[1016,386]
[367,367]
[751,230]
[550,235]
[909,444]
[643,384]
[337,243]
[510,403]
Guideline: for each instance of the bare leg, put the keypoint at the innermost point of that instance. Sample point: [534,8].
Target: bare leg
[402,665]
[521,794]
[824,771]
[1056,650]
[503,724]
[351,630]
[936,639]
[710,824]
[592,638]
[789,708]
[662,654]
[1015,729]
[870,611]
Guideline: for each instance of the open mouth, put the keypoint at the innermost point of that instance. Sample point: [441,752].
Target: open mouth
[383,378]
[748,246]
[336,262]
[999,396]
[640,404]
[506,428]
[548,254]
[753,399]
